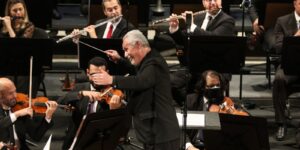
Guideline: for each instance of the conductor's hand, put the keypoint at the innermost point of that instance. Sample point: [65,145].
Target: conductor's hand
[51,108]
[102,78]
[113,55]
[115,102]
[24,112]
[91,30]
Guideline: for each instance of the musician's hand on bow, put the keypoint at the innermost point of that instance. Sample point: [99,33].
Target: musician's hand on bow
[93,95]
[91,30]
[113,55]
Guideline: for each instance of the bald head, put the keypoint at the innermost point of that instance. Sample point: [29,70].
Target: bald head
[7,91]
[5,83]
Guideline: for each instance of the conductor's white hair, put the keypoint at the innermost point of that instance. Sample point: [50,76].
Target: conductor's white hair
[134,36]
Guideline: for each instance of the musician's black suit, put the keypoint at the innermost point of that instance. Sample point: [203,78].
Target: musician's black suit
[285,26]
[25,125]
[122,28]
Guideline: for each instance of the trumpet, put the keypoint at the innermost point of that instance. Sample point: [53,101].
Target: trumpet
[179,17]
[83,31]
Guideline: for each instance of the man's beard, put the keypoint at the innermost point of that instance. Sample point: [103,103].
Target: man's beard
[9,103]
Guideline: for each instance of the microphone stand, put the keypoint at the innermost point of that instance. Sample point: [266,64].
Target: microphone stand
[184,109]
[243,5]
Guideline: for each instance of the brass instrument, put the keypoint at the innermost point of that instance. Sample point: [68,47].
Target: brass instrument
[179,16]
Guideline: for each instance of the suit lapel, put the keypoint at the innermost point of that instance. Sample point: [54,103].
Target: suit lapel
[292,23]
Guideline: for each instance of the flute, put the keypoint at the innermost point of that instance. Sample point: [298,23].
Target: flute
[179,16]
[83,31]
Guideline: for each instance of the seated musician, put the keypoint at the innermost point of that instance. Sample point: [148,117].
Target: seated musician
[213,22]
[286,26]
[114,29]
[16,24]
[209,96]
[86,97]
[15,125]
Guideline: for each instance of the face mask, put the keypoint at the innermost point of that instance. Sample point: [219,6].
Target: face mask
[214,95]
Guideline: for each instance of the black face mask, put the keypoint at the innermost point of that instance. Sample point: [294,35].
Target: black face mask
[214,95]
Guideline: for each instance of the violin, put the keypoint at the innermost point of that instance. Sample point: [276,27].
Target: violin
[227,107]
[38,104]
[109,92]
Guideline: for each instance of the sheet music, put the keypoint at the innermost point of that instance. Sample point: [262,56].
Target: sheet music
[193,120]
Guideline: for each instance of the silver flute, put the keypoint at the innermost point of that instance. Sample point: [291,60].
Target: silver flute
[82,31]
[179,16]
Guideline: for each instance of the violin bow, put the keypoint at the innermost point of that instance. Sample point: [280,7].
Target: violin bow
[30,81]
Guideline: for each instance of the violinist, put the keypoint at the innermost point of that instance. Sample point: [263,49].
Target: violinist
[87,98]
[209,96]
[115,29]
[14,126]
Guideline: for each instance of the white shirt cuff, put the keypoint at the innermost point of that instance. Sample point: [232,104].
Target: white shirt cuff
[173,30]
[48,120]
[193,27]
[13,117]
[187,145]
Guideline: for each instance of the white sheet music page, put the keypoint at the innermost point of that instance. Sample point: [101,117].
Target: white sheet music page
[193,120]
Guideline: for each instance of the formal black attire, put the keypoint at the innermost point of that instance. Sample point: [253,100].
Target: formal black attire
[82,107]
[149,102]
[221,25]
[285,26]
[122,28]
[25,125]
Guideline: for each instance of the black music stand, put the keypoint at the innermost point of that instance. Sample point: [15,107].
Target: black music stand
[225,54]
[103,130]
[290,55]
[238,133]
[15,58]
[86,53]
[16,52]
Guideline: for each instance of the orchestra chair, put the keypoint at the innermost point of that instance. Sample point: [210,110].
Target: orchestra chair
[272,12]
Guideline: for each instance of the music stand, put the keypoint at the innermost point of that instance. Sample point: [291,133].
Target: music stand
[16,52]
[86,53]
[225,54]
[290,55]
[103,130]
[238,133]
